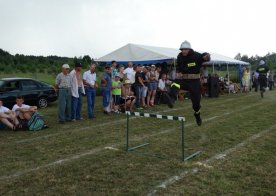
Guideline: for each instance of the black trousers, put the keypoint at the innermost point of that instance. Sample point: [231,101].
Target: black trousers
[193,86]
[263,82]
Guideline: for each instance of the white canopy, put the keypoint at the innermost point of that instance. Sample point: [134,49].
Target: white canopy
[150,54]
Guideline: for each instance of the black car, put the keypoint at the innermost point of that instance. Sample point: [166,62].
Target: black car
[34,92]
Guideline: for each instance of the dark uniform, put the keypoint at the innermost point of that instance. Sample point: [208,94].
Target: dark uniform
[190,66]
[262,69]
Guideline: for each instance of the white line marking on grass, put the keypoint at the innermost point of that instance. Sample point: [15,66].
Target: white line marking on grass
[99,149]
[58,162]
[111,148]
[207,162]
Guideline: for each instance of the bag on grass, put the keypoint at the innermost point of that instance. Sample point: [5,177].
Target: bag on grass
[36,122]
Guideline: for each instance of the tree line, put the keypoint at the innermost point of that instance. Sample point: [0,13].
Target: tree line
[37,64]
[269,58]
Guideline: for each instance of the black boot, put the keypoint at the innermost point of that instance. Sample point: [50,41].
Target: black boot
[198,119]
[262,93]
[168,100]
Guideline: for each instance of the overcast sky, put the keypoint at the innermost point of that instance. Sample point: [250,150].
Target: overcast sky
[97,27]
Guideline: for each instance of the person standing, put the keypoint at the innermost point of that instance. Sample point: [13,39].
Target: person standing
[189,63]
[116,92]
[262,69]
[138,86]
[63,86]
[114,70]
[89,79]
[77,91]
[106,85]
[129,72]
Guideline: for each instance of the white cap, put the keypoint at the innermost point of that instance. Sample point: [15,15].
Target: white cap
[65,66]
[261,62]
[185,45]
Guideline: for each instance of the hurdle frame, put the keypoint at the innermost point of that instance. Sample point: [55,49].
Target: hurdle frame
[159,116]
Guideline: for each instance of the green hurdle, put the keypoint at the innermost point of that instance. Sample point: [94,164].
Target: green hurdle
[177,118]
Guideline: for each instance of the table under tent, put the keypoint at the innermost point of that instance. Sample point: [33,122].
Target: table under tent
[142,54]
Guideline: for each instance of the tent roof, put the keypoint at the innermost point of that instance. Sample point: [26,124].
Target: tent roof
[151,54]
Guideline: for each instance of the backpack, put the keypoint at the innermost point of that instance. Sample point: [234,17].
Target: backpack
[36,122]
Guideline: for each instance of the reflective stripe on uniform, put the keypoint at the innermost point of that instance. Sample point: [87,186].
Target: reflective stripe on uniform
[176,85]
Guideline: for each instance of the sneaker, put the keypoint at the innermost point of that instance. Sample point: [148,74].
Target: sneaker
[198,119]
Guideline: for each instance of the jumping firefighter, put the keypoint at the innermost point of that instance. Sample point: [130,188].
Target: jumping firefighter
[189,63]
[262,69]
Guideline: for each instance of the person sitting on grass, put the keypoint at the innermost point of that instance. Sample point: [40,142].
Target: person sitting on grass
[128,98]
[8,117]
[163,89]
[23,111]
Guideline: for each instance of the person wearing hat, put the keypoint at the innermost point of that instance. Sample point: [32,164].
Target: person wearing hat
[77,90]
[106,86]
[128,98]
[189,63]
[63,85]
[262,69]
[90,85]
[116,92]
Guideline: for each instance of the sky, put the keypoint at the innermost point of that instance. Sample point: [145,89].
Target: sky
[97,27]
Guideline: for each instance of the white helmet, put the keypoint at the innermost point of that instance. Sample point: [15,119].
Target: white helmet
[261,62]
[185,45]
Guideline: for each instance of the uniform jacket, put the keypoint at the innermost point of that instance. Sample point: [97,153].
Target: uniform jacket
[191,63]
[262,69]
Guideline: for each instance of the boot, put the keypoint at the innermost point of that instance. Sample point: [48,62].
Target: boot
[168,100]
[198,119]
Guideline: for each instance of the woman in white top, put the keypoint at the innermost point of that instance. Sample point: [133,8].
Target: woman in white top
[8,117]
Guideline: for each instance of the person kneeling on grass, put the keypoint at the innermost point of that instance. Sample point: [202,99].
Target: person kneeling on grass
[8,117]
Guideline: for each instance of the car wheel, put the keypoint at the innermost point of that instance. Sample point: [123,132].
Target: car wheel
[42,102]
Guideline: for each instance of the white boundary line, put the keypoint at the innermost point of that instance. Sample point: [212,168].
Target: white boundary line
[206,163]
[99,149]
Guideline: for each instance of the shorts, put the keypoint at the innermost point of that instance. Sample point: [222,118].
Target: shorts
[116,99]
[124,100]
[152,86]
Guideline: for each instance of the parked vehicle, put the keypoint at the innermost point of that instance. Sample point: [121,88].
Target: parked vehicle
[34,92]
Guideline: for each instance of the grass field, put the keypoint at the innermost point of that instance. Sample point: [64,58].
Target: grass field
[237,140]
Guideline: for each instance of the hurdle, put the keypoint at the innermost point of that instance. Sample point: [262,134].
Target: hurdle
[158,116]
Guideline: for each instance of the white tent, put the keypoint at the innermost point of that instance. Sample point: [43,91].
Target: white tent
[141,54]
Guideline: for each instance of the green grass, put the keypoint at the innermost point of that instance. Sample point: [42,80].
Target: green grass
[71,158]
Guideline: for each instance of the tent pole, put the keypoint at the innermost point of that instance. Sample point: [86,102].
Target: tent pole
[228,76]
[213,68]
[250,78]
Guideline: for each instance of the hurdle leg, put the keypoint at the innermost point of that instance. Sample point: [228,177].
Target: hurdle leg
[127,127]
[182,139]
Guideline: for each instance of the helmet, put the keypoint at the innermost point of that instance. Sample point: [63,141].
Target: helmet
[185,45]
[261,62]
